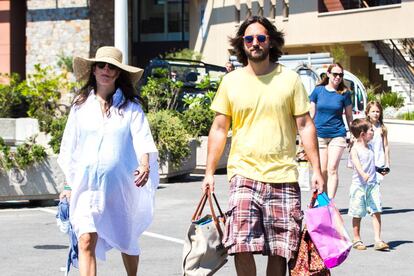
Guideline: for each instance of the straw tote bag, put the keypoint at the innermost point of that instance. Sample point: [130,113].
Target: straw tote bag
[204,252]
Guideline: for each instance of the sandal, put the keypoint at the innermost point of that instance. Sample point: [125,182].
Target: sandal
[358,245]
[381,246]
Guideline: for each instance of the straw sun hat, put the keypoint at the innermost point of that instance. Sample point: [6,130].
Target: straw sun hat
[82,66]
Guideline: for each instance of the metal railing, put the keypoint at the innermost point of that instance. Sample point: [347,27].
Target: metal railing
[397,63]
[354,4]
[408,44]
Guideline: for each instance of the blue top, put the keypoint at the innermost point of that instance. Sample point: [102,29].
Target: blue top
[329,109]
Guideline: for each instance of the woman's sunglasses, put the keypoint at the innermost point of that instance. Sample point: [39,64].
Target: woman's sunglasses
[102,65]
[248,39]
[338,74]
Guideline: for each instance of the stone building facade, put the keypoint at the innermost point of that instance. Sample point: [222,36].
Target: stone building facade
[66,28]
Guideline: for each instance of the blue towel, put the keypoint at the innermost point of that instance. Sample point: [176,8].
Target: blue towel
[62,217]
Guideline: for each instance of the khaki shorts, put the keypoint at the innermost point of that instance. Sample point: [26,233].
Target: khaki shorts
[328,142]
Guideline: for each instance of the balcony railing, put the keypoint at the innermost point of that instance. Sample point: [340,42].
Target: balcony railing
[338,5]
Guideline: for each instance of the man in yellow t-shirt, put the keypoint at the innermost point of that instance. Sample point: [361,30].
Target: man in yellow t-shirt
[266,104]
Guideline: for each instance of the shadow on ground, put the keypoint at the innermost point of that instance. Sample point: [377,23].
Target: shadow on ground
[392,244]
[385,211]
[50,247]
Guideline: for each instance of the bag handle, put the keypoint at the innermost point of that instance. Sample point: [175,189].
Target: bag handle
[213,214]
[200,207]
[313,199]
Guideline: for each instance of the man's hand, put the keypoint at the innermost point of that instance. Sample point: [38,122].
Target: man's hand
[317,182]
[208,183]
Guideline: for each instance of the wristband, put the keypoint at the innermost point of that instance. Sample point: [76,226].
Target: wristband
[67,188]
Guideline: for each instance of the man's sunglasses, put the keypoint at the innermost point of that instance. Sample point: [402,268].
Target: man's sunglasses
[260,38]
[338,74]
[102,65]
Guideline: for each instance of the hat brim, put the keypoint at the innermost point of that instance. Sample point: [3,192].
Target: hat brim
[82,68]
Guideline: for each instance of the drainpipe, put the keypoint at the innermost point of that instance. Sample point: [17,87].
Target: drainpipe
[121,28]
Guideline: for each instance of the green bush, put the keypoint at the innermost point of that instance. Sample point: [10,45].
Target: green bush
[57,128]
[170,136]
[198,116]
[42,90]
[407,116]
[65,62]
[23,156]
[391,99]
[386,99]
[12,103]
[197,120]
[160,93]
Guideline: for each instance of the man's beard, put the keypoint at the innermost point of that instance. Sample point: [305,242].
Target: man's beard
[261,55]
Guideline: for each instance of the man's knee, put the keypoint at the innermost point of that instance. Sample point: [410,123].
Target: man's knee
[243,257]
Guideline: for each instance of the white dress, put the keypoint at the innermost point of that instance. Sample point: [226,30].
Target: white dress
[98,156]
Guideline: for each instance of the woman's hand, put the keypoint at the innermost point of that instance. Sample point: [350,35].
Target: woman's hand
[65,193]
[141,175]
[365,176]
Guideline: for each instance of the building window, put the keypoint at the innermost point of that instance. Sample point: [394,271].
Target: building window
[163,20]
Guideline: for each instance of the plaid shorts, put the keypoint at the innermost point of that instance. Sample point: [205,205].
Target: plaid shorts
[263,218]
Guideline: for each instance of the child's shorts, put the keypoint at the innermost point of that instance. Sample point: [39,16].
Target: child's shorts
[364,199]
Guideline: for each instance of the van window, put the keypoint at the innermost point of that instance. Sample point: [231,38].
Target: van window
[351,86]
[359,98]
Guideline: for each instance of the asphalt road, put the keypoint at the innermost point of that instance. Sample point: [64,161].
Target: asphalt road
[31,244]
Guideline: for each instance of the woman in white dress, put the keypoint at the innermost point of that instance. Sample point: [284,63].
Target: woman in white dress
[110,161]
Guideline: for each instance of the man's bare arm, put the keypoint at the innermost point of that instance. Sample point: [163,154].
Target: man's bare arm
[307,132]
[216,142]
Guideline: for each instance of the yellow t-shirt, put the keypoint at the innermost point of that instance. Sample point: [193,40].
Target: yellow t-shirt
[262,108]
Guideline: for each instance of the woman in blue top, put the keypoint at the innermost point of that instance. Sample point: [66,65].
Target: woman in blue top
[328,101]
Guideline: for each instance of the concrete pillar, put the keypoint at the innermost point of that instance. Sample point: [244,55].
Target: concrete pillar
[121,28]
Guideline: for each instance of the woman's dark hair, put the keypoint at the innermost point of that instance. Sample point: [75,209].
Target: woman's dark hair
[123,82]
[276,39]
[325,80]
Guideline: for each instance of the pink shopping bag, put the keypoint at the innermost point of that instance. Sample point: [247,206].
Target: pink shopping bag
[326,229]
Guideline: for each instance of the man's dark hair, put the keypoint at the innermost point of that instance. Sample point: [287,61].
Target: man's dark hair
[276,39]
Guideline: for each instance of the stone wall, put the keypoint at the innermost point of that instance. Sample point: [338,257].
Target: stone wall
[56,28]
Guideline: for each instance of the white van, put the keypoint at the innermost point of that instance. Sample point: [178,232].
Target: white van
[312,67]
